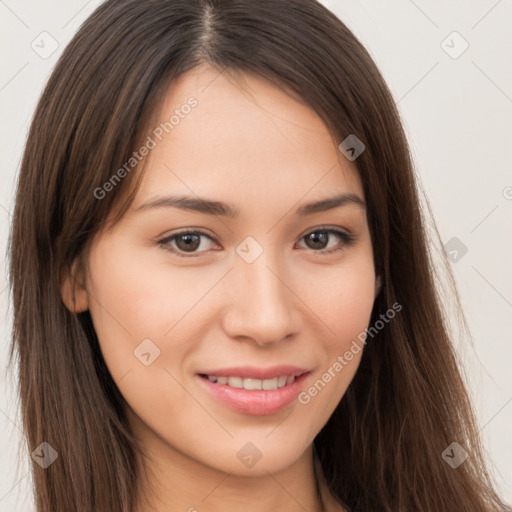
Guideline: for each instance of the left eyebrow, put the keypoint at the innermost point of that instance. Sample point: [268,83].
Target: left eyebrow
[211,207]
[329,203]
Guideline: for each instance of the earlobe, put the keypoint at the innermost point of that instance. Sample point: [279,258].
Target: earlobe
[72,289]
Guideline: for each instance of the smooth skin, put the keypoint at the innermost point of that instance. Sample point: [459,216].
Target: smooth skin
[250,145]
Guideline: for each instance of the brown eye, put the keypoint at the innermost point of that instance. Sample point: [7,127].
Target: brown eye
[185,243]
[188,242]
[318,240]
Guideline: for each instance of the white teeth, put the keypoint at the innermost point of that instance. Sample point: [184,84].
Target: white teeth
[269,384]
[251,384]
[236,382]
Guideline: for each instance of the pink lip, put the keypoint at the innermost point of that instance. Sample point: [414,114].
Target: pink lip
[251,372]
[254,402]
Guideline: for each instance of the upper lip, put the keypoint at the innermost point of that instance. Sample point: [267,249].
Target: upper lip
[252,372]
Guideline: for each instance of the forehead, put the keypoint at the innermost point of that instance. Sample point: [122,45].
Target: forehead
[241,136]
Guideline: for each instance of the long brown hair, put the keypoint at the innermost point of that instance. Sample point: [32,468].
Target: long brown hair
[381,450]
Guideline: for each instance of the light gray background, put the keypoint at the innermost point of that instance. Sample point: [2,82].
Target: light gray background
[457,114]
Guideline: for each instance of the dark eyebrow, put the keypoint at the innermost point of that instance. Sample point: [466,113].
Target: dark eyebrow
[329,203]
[196,204]
[210,207]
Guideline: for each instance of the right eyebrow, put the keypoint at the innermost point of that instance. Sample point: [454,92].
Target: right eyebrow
[197,204]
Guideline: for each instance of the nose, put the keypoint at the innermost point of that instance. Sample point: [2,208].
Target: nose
[262,306]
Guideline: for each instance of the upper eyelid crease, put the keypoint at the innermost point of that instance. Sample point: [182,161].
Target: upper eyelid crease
[348,239]
[200,232]
[219,208]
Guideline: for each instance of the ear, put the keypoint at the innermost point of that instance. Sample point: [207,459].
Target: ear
[378,286]
[72,288]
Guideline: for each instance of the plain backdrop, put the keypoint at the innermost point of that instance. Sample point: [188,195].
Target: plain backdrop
[449,67]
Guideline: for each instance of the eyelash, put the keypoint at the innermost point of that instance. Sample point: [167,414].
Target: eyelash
[347,239]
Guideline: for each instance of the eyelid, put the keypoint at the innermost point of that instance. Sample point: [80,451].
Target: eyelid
[327,227]
[166,241]
[345,235]
[348,239]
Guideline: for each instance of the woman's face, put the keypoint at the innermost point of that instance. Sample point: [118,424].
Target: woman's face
[269,289]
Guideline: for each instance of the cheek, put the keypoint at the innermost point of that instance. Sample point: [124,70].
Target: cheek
[123,304]
[351,307]
[344,309]
[343,299]
[134,299]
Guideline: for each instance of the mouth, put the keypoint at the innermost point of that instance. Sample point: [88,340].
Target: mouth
[254,391]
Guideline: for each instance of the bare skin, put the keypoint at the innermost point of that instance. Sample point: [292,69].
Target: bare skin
[265,154]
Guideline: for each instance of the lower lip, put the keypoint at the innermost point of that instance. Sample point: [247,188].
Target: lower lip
[255,402]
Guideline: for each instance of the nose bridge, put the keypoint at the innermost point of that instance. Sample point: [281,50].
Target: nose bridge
[261,306]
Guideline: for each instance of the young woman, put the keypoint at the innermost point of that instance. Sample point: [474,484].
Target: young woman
[222,288]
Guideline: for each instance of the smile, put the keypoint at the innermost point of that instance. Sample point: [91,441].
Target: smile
[252,395]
